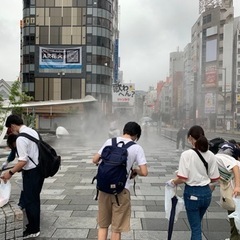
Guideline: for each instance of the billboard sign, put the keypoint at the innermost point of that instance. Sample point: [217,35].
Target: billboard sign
[123,93]
[60,58]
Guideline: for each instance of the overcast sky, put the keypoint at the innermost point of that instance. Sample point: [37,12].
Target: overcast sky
[149,31]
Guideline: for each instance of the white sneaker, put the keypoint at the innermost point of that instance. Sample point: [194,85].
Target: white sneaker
[26,234]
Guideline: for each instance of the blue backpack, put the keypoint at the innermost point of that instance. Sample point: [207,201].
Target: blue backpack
[112,171]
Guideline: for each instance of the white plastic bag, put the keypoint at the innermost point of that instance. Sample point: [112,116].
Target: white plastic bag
[236,213]
[169,194]
[5,191]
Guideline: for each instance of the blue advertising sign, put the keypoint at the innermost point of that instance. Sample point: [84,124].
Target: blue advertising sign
[60,58]
[115,57]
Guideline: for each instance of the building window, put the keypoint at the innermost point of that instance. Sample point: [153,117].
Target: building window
[89,20]
[29,40]
[32,21]
[89,39]
[88,77]
[32,11]
[28,58]
[89,57]
[32,2]
[26,3]
[102,42]
[102,22]
[104,4]
[89,2]
[207,19]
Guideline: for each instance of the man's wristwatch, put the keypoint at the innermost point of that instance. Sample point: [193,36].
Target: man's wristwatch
[11,173]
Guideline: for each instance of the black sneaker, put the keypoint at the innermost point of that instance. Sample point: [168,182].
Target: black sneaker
[27,234]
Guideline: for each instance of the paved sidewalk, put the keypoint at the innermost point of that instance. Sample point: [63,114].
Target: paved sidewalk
[69,209]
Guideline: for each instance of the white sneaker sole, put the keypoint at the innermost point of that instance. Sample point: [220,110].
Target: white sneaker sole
[32,235]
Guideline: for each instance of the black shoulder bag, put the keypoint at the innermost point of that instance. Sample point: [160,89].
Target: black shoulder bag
[202,158]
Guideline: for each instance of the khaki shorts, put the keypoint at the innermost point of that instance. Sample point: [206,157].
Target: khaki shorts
[109,213]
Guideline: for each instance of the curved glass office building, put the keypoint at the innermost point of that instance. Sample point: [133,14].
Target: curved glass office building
[69,49]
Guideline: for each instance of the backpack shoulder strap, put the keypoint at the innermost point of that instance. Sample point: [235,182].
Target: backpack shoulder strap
[26,135]
[114,141]
[129,144]
[30,138]
[202,158]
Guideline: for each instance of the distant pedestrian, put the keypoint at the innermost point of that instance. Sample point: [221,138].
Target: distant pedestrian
[196,176]
[181,137]
[32,177]
[109,212]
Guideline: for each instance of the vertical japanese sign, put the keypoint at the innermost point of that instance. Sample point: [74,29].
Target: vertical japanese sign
[210,102]
[123,93]
[210,76]
[115,69]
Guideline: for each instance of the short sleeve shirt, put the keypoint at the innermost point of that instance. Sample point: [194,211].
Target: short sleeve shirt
[225,165]
[192,169]
[136,155]
[27,148]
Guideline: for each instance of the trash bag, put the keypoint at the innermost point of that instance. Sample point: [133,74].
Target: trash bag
[236,213]
[5,191]
[169,194]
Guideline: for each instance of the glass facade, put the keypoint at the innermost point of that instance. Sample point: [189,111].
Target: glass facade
[67,48]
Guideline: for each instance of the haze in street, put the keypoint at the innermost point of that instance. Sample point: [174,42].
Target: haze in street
[149,31]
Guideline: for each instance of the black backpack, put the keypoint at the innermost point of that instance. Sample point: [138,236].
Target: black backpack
[214,144]
[112,171]
[49,161]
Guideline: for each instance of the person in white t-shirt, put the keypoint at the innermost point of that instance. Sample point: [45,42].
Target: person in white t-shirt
[197,177]
[109,212]
[31,174]
[228,164]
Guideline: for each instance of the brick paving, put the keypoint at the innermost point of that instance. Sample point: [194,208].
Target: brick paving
[69,209]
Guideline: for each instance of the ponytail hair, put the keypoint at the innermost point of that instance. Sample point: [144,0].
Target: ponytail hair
[197,133]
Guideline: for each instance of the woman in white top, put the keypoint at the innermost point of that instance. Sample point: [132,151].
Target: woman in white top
[197,177]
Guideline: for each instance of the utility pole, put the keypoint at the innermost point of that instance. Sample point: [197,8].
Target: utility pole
[224,95]
[194,97]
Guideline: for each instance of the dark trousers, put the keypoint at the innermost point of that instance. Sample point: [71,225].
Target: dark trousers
[182,139]
[234,231]
[32,186]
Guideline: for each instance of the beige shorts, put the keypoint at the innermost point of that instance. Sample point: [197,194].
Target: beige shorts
[109,213]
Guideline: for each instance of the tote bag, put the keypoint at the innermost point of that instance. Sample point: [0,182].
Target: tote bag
[226,195]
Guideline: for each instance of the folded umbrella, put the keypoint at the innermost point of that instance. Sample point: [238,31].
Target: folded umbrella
[172,217]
